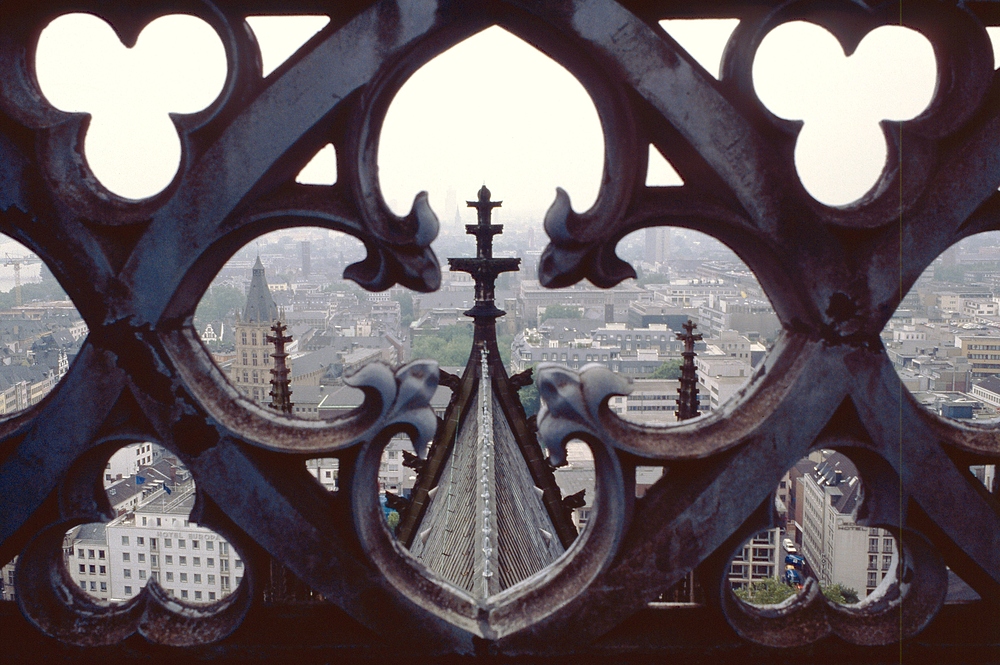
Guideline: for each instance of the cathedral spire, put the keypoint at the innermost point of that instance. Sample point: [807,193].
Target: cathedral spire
[687,398]
[485,512]
[281,392]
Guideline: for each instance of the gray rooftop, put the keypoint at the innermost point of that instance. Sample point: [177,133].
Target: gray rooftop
[260,307]
[486,528]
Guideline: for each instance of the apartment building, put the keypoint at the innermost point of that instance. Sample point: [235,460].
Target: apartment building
[757,560]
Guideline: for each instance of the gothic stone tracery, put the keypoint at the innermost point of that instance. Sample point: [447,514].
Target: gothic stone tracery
[135,271]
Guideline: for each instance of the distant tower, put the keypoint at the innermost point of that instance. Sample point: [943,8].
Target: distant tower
[306,261]
[657,244]
[251,368]
[687,398]
[485,512]
[451,203]
[281,392]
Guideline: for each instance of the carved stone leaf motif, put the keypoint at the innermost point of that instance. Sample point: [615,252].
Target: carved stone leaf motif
[834,275]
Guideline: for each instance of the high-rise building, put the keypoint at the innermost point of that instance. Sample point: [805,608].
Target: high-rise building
[304,248]
[657,245]
[837,549]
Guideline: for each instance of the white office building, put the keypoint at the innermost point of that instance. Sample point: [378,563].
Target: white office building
[158,541]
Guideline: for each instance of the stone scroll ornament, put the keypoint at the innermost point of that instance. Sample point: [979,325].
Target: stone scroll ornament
[136,269]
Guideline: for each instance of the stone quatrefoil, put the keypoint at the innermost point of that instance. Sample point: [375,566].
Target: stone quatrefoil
[136,270]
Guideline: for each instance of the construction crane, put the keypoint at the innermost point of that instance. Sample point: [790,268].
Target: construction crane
[17,262]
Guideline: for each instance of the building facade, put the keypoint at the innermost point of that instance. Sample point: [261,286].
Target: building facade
[837,549]
[250,371]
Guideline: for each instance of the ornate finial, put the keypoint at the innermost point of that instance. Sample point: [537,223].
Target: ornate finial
[484,268]
[281,392]
[687,398]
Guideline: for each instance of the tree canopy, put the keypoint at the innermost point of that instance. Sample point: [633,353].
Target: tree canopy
[949,274]
[769,591]
[529,398]
[561,312]
[218,304]
[839,593]
[405,300]
[449,345]
[670,369]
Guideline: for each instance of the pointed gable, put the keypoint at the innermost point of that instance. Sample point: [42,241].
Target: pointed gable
[260,307]
[486,512]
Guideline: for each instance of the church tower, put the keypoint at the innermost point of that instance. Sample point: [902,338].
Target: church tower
[251,369]
[486,512]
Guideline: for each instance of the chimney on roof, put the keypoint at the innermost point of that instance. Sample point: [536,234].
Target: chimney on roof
[838,477]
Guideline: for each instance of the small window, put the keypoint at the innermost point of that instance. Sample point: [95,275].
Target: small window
[210,562]
[126,556]
[79,554]
[128,590]
[90,554]
[93,569]
[104,587]
[211,595]
[196,561]
[210,545]
[140,540]
[167,542]
[124,540]
[195,544]
[184,577]
[184,592]
[83,568]
[104,570]
[211,580]
[197,595]
[127,573]
[181,543]
[182,560]
[142,557]
[169,559]
[142,574]
[93,586]
[197,578]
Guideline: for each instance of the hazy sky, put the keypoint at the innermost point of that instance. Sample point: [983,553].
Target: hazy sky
[492,109]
